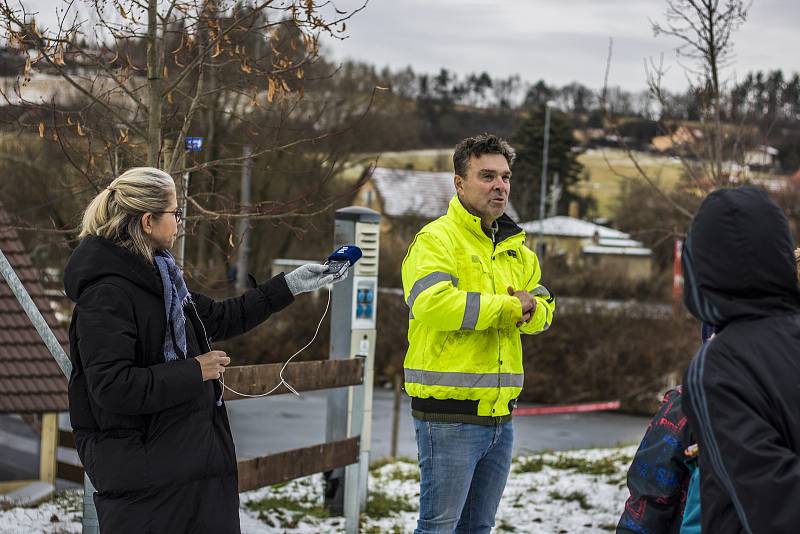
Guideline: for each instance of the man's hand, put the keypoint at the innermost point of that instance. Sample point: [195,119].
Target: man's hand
[528,304]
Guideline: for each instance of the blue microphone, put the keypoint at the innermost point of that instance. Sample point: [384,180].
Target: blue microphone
[342,259]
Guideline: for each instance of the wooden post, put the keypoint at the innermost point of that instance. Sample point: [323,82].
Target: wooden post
[49,449]
[396,414]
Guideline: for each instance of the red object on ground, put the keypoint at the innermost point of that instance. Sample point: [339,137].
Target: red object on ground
[569,408]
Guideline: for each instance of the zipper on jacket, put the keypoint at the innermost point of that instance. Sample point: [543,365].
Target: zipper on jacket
[494,290]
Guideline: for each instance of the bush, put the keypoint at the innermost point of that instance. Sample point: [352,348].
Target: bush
[586,357]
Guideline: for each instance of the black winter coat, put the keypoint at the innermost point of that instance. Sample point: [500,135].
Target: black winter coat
[150,436]
[742,389]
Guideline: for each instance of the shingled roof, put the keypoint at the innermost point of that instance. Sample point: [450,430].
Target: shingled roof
[417,193]
[30,379]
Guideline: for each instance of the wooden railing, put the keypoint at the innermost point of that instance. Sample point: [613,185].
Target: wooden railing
[303,376]
[281,467]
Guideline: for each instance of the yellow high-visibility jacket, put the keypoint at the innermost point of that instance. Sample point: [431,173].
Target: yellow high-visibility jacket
[464,344]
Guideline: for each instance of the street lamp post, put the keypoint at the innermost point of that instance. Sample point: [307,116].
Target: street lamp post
[190,144]
[543,183]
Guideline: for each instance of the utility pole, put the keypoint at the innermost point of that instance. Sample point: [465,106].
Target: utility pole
[555,196]
[243,229]
[543,181]
[181,248]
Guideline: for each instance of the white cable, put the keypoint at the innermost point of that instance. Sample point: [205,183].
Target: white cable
[280,375]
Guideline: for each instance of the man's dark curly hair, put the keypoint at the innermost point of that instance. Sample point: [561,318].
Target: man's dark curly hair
[478,146]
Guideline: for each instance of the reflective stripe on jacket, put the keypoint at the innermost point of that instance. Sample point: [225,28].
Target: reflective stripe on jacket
[463,340]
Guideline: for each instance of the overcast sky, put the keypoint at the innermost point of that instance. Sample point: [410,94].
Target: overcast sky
[556,40]
[559,41]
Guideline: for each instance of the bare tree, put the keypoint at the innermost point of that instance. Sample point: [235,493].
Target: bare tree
[705,28]
[139,76]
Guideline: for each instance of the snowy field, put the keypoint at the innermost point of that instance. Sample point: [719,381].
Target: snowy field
[561,492]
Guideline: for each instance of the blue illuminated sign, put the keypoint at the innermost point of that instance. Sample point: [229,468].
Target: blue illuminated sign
[194,144]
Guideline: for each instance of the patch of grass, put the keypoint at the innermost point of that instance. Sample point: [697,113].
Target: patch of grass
[504,526]
[608,465]
[381,505]
[575,496]
[386,460]
[608,527]
[286,504]
[605,185]
[402,475]
[376,529]
[530,464]
[69,500]
[437,160]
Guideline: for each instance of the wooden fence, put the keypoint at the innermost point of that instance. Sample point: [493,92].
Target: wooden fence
[281,467]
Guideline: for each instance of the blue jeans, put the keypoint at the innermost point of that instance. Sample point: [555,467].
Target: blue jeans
[463,471]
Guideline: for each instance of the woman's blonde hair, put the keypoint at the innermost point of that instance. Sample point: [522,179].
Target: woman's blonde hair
[116,212]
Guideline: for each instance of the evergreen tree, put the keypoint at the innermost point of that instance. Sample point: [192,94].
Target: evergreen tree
[527,170]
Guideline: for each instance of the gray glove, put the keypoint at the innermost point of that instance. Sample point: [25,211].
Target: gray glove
[309,277]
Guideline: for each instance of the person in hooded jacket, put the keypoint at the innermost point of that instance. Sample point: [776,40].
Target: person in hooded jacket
[144,399]
[742,388]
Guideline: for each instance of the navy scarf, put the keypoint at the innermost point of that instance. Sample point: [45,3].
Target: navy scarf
[175,297]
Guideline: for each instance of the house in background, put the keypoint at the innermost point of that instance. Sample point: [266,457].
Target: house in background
[583,243]
[401,193]
[33,387]
[762,157]
[683,136]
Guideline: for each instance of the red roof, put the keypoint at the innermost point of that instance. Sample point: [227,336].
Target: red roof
[30,379]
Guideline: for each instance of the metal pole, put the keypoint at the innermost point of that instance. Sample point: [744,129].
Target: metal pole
[181,244]
[353,476]
[543,181]
[244,223]
[555,195]
[396,414]
[90,523]
[366,423]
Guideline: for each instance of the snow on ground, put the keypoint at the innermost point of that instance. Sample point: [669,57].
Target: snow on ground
[557,492]
[60,515]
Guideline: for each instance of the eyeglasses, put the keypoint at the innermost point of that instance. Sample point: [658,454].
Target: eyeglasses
[178,213]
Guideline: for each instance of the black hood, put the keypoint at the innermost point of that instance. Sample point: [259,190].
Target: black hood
[738,260]
[96,258]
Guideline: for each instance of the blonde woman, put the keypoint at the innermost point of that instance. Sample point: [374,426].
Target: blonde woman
[149,428]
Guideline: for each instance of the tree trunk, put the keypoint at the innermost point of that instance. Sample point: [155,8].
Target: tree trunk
[154,86]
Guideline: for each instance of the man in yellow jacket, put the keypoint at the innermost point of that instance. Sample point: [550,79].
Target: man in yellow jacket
[472,287]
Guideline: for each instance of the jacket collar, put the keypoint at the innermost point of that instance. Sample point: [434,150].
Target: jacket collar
[506,227]
[96,257]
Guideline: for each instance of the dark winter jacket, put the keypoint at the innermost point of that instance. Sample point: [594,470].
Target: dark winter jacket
[742,389]
[150,436]
[659,477]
